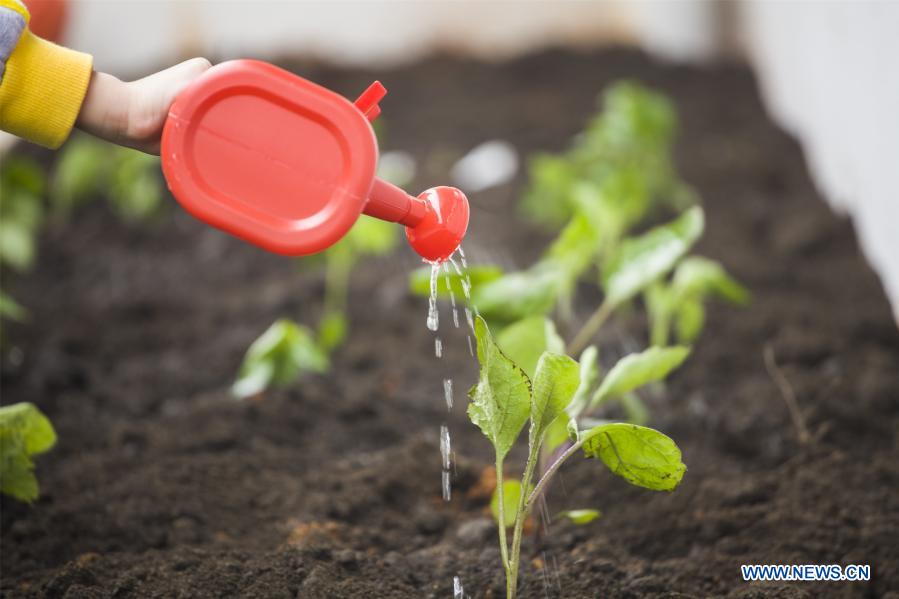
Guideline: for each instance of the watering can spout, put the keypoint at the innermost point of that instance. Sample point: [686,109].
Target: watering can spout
[435,221]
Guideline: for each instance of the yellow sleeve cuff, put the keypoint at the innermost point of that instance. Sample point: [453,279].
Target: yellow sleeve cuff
[42,90]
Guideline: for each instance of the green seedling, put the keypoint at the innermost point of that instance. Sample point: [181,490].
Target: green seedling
[506,398]
[284,351]
[678,304]
[639,262]
[89,168]
[24,433]
[21,218]
[369,237]
[580,517]
[21,212]
[623,159]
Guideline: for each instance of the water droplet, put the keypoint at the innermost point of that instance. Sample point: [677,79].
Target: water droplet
[455,266]
[458,591]
[433,314]
[447,486]
[448,393]
[445,451]
[462,257]
[470,348]
[438,347]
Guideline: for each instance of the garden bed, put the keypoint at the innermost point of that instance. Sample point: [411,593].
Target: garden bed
[162,485]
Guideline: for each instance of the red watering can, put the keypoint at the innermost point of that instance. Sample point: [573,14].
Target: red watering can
[288,165]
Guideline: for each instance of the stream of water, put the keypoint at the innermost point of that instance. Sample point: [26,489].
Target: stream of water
[433,323]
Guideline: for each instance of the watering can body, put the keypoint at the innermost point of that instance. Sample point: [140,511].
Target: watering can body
[289,166]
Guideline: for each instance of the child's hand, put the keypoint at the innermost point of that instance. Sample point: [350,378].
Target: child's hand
[132,114]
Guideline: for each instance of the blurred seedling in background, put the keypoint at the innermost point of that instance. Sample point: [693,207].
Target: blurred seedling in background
[24,433]
[506,398]
[623,157]
[678,304]
[21,217]
[618,175]
[87,169]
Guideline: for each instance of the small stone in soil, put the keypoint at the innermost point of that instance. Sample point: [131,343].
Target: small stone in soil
[346,557]
[429,521]
[475,532]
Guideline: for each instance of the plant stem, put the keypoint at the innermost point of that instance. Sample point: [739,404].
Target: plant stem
[520,516]
[544,480]
[337,277]
[589,329]
[503,547]
[660,325]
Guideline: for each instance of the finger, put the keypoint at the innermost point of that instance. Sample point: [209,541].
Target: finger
[173,80]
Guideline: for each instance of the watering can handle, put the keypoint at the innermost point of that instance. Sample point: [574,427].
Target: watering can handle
[387,201]
[367,103]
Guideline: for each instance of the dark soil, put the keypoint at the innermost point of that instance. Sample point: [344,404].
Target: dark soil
[164,486]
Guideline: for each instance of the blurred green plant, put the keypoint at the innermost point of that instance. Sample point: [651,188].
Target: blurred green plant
[86,169]
[89,168]
[24,433]
[21,218]
[621,162]
[678,303]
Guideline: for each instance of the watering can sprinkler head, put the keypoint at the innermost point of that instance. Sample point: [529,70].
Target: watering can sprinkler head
[289,165]
[435,221]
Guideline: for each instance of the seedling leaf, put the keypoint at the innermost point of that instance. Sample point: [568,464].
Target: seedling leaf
[17,246]
[24,432]
[518,295]
[642,260]
[332,330]
[500,402]
[511,497]
[21,174]
[277,357]
[526,340]
[642,456]
[555,382]
[689,319]
[575,249]
[11,309]
[80,172]
[589,373]
[580,517]
[635,370]
[134,186]
[698,276]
